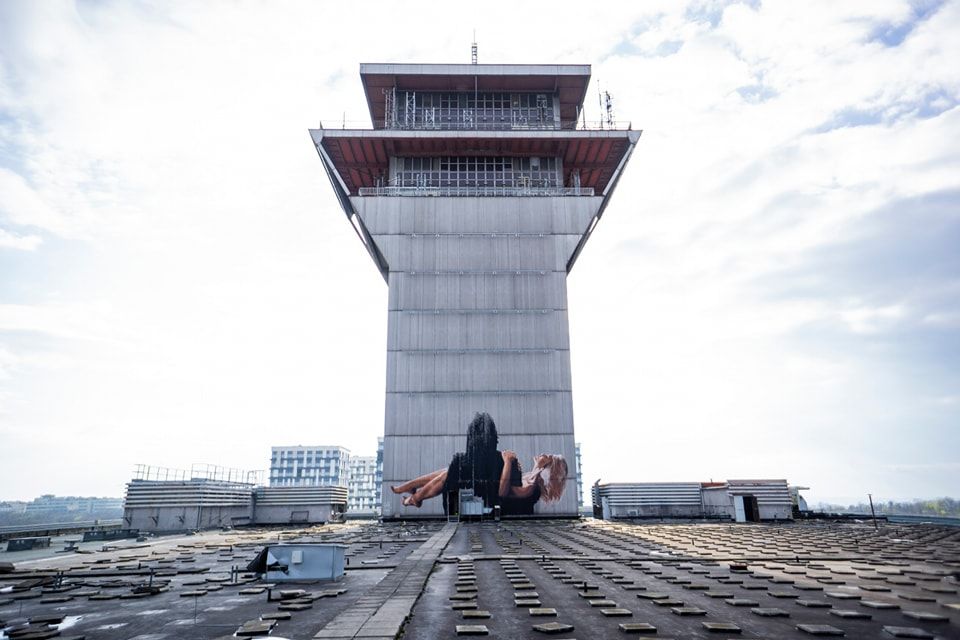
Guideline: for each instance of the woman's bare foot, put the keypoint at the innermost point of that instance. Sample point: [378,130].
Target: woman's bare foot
[411,501]
[396,489]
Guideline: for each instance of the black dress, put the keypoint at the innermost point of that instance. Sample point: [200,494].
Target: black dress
[484,479]
[520,506]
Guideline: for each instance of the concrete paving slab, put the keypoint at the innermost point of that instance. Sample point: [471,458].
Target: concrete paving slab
[925,616]
[601,603]
[908,632]
[476,614]
[688,611]
[553,627]
[820,630]
[722,627]
[850,614]
[472,630]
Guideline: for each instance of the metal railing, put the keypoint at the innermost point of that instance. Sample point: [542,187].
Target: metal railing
[447,118]
[475,191]
[476,177]
[198,472]
[551,125]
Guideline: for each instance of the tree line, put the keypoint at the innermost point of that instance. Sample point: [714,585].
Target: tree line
[929,507]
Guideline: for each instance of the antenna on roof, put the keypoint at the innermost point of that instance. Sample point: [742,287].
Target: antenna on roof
[473,48]
[606,108]
[600,100]
[608,105]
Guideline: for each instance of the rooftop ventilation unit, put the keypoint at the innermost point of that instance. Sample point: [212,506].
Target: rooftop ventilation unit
[300,562]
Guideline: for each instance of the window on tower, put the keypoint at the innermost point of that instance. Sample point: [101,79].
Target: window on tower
[472,110]
[471,173]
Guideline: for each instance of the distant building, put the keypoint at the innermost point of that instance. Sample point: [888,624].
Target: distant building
[13,506]
[579,477]
[48,503]
[318,465]
[379,474]
[309,466]
[363,490]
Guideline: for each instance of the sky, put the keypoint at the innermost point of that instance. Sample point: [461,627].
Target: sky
[773,291]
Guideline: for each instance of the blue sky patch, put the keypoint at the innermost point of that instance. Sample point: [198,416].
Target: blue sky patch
[893,35]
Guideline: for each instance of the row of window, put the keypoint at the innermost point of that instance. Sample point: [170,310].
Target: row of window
[488,172]
[469,110]
[480,180]
[286,473]
[334,455]
[473,100]
[478,163]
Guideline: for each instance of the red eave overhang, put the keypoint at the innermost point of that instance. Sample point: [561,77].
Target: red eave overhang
[569,82]
[361,156]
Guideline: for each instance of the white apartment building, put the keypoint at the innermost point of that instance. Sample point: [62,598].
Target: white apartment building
[309,466]
[579,478]
[330,465]
[363,491]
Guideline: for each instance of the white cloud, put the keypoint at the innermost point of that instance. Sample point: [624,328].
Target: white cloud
[871,319]
[926,466]
[947,319]
[10,240]
[21,205]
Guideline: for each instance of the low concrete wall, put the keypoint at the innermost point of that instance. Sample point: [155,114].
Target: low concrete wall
[655,511]
[172,519]
[776,512]
[302,514]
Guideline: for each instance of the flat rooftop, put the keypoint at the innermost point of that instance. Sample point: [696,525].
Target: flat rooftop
[422,581]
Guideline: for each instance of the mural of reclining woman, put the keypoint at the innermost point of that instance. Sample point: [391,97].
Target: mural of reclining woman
[545,481]
[493,475]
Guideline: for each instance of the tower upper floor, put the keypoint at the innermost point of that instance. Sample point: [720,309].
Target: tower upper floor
[505,97]
[474,131]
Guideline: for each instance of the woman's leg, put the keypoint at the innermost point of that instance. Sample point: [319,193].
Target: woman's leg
[412,485]
[429,490]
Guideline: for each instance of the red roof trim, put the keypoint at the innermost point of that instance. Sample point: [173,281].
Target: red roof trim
[360,158]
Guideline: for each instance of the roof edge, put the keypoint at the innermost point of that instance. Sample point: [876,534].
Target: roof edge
[455,68]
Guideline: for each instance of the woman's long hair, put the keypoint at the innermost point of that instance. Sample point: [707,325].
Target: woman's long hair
[481,450]
[553,476]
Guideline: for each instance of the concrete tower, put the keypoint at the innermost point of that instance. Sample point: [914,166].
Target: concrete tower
[474,193]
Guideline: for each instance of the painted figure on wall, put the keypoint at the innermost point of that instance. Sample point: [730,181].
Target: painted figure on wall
[495,476]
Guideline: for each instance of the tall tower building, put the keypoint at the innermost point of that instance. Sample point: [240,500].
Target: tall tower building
[474,193]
